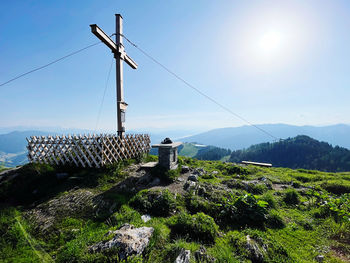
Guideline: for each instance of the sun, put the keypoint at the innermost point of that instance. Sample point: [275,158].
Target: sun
[270,43]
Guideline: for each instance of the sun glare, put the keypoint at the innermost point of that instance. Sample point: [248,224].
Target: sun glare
[268,40]
[269,43]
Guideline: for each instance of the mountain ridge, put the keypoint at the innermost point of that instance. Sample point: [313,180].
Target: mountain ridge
[242,137]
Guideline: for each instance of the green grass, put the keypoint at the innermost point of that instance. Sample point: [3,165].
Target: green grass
[188,150]
[295,225]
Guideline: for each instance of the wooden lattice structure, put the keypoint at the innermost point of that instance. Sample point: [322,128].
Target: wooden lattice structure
[86,150]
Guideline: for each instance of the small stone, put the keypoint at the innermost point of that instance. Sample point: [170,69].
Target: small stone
[320,258]
[180,179]
[193,177]
[215,173]
[202,256]
[184,256]
[146,218]
[185,169]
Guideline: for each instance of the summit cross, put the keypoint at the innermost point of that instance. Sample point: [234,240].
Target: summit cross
[118,50]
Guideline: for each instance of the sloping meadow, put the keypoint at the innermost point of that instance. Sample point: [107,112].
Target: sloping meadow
[219,212]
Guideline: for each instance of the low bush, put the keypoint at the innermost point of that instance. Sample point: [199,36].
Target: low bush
[198,227]
[196,204]
[291,197]
[270,199]
[154,202]
[337,186]
[235,169]
[257,188]
[274,220]
[244,210]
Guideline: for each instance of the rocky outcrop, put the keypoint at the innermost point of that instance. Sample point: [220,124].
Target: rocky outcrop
[128,239]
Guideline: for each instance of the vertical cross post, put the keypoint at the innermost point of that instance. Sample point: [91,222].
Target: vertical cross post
[121,105]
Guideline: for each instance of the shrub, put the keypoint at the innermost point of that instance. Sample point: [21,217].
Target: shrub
[274,220]
[291,197]
[243,210]
[257,188]
[200,227]
[269,198]
[196,204]
[154,202]
[235,169]
[337,186]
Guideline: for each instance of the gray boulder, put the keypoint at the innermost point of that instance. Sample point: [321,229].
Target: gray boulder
[255,253]
[183,257]
[129,240]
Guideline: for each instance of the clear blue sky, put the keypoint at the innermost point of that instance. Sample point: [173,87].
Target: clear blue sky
[268,61]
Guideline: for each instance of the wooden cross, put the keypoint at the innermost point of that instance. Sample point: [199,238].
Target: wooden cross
[119,55]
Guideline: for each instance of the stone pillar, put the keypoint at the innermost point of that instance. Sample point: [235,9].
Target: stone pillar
[167,154]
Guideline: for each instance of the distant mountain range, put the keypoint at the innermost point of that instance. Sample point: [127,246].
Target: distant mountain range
[298,152]
[242,137]
[13,144]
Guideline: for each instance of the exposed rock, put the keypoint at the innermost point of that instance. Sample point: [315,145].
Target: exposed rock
[214,172]
[78,202]
[189,185]
[202,256]
[183,257]
[320,258]
[185,169]
[193,177]
[129,240]
[199,171]
[255,254]
[146,218]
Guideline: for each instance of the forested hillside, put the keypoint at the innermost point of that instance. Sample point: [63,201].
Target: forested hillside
[298,152]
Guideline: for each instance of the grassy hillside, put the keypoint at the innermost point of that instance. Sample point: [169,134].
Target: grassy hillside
[201,152]
[299,152]
[245,213]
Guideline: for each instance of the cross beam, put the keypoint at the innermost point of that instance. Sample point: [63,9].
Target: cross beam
[118,50]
